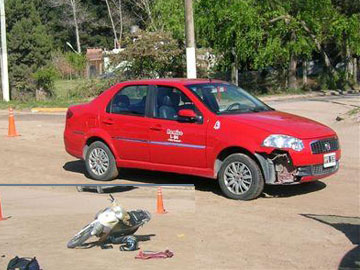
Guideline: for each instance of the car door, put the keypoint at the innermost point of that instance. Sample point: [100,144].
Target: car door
[126,122]
[175,142]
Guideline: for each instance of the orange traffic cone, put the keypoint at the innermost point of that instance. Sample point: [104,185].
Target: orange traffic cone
[12,129]
[160,204]
[1,214]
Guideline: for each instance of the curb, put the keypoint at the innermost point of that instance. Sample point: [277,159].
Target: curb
[284,97]
[48,110]
[338,92]
[309,95]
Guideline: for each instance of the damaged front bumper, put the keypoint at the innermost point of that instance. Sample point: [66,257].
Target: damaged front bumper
[279,170]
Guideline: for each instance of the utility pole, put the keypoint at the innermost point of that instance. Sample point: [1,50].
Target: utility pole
[4,60]
[190,40]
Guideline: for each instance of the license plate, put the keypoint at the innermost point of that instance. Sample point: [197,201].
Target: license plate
[329,160]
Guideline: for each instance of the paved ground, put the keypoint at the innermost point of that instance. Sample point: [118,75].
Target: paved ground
[313,226]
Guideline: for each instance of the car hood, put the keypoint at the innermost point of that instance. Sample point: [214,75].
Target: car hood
[276,122]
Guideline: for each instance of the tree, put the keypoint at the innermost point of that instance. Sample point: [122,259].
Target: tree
[112,23]
[169,17]
[115,11]
[234,29]
[150,55]
[142,10]
[344,33]
[29,46]
[75,15]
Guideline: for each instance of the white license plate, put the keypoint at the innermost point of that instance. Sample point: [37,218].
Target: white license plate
[329,160]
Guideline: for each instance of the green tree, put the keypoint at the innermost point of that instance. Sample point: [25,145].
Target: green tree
[169,17]
[29,46]
[150,55]
[234,29]
[344,36]
[254,34]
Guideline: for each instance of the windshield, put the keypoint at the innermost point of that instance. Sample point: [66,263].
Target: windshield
[224,98]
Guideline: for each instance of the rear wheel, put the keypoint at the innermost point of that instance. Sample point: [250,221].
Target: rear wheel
[100,162]
[240,178]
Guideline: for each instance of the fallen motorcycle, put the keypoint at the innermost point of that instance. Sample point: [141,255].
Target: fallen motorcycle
[113,224]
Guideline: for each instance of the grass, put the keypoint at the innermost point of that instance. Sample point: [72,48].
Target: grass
[53,103]
[354,111]
[60,100]
[62,87]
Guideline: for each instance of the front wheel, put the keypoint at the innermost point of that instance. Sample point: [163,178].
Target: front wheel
[240,178]
[100,162]
[81,236]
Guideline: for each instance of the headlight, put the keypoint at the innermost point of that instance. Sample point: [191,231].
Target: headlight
[283,141]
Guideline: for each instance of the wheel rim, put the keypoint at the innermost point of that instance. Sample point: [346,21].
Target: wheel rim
[238,178]
[99,161]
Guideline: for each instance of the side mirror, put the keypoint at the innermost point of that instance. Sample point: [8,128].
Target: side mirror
[188,114]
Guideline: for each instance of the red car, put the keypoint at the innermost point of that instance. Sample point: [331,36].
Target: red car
[208,128]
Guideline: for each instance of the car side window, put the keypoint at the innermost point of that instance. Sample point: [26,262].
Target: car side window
[130,100]
[169,101]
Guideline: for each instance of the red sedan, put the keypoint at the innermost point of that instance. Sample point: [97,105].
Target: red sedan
[208,128]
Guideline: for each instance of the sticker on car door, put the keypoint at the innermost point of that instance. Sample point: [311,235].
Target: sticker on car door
[174,135]
[217,125]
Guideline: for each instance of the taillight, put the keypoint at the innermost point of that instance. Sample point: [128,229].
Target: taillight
[69,114]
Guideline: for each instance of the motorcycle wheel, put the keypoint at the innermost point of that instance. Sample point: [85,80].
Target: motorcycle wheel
[81,236]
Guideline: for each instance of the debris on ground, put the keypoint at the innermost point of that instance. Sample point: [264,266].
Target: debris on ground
[145,255]
[352,115]
[338,118]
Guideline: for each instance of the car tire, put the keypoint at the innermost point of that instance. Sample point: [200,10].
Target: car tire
[100,162]
[240,178]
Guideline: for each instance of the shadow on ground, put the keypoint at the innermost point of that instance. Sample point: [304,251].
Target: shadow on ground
[109,244]
[103,188]
[350,226]
[200,183]
[283,191]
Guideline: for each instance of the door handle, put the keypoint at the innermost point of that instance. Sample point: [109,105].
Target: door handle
[156,128]
[108,121]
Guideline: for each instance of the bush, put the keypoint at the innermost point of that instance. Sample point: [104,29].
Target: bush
[91,88]
[70,65]
[77,62]
[44,79]
[150,55]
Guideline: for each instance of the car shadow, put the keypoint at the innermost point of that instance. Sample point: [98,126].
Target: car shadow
[350,227]
[76,166]
[200,183]
[283,191]
[150,177]
[105,189]
[163,178]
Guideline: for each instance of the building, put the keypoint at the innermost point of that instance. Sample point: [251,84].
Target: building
[95,62]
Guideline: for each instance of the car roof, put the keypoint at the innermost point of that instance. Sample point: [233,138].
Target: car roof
[182,81]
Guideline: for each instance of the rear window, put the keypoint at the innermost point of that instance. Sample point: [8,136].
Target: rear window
[130,100]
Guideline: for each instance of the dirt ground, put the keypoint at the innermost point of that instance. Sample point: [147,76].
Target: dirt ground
[313,226]
[45,219]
